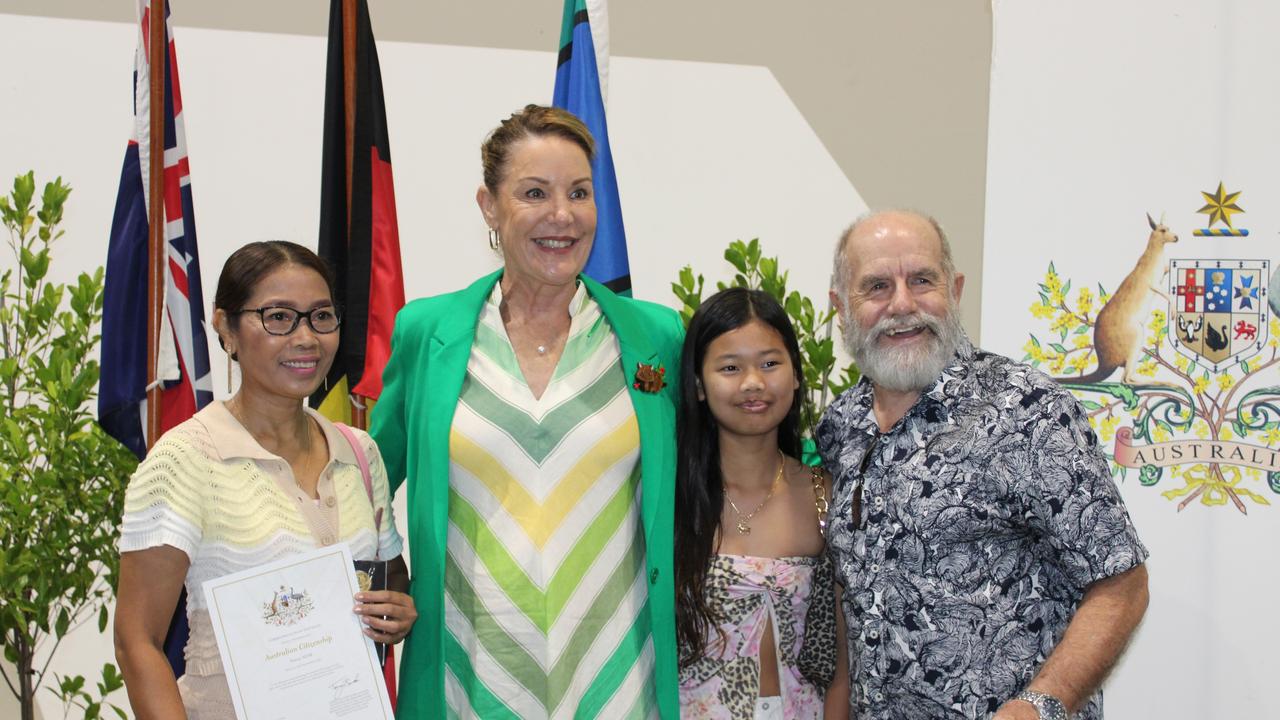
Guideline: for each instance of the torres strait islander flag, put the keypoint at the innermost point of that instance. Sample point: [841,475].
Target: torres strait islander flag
[183,365]
[582,77]
[361,243]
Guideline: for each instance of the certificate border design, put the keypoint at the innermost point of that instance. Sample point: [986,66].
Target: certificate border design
[343,553]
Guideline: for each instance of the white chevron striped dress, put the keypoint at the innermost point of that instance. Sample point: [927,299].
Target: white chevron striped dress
[545,590]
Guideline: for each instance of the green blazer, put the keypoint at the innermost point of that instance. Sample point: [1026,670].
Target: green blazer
[411,424]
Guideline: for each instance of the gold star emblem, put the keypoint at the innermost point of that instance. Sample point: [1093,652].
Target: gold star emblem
[1219,206]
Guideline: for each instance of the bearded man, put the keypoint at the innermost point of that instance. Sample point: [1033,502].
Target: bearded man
[988,564]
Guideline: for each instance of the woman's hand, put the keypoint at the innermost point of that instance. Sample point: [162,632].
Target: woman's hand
[388,615]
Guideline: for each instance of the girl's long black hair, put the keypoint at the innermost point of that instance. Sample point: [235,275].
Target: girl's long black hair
[699,483]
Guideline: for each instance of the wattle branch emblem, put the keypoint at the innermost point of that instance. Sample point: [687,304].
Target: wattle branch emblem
[1187,391]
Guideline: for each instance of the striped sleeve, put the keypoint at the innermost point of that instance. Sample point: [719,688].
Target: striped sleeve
[163,504]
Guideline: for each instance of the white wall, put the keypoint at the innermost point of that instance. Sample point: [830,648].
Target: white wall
[705,153]
[1101,112]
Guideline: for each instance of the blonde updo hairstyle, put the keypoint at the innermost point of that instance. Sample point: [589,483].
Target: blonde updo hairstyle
[532,121]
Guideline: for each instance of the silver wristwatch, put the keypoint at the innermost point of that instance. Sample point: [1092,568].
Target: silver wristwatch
[1049,707]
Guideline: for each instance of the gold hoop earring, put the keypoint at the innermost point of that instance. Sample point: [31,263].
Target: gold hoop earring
[495,242]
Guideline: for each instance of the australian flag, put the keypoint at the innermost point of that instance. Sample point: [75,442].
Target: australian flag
[183,367]
[184,351]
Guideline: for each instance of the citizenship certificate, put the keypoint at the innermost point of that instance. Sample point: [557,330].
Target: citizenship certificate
[290,644]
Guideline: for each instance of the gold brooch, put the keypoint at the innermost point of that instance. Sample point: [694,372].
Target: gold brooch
[649,379]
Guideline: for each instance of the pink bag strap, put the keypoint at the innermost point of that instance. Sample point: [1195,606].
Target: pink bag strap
[363,462]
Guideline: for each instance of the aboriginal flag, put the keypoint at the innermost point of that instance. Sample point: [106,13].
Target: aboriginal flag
[361,242]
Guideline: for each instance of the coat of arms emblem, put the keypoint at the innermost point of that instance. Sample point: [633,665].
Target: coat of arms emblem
[286,607]
[1217,309]
[1184,394]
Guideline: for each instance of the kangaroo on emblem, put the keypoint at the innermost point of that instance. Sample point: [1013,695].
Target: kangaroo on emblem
[1121,324]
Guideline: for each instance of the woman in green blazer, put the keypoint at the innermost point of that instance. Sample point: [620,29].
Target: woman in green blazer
[532,417]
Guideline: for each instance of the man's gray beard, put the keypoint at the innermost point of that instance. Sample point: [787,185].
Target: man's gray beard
[905,369]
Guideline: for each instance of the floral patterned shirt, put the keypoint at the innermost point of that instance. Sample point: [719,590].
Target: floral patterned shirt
[986,511]
[749,592]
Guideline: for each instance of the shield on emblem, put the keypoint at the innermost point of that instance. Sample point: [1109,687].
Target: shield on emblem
[1218,310]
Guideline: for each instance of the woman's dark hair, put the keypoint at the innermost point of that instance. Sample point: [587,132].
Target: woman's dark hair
[699,482]
[250,264]
[532,121]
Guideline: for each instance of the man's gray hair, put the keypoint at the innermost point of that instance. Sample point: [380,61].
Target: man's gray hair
[840,268]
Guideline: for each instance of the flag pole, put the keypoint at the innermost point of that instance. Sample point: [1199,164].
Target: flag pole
[349,91]
[358,418]
[156,235]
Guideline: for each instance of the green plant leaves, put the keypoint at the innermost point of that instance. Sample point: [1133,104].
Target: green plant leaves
[72,693]
[51,203]
[688,290]
[62,478]
[24,186]
[36,265]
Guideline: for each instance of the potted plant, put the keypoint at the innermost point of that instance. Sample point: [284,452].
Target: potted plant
[62,479]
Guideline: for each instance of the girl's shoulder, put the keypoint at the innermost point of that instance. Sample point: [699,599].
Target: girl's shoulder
[814,477]
[810,486]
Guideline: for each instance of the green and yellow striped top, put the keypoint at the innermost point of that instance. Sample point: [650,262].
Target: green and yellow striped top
[546,597]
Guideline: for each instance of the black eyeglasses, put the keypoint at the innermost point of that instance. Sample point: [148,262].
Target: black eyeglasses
[284,320]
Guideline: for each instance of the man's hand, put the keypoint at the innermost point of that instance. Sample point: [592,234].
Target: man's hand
[1094,639]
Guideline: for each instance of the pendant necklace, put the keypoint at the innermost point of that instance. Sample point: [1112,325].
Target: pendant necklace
[306,446]
[744,521]
[505,314]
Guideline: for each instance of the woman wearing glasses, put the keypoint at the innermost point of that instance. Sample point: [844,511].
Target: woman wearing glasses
[249,481]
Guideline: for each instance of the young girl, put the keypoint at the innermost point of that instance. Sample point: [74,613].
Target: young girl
[749,517]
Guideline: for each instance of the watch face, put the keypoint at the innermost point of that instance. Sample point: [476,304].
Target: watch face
[1048,706]
[1052,709]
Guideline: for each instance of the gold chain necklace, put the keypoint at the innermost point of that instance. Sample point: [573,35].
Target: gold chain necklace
[744,527]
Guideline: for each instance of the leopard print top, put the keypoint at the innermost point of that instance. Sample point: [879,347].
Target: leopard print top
[748,591]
